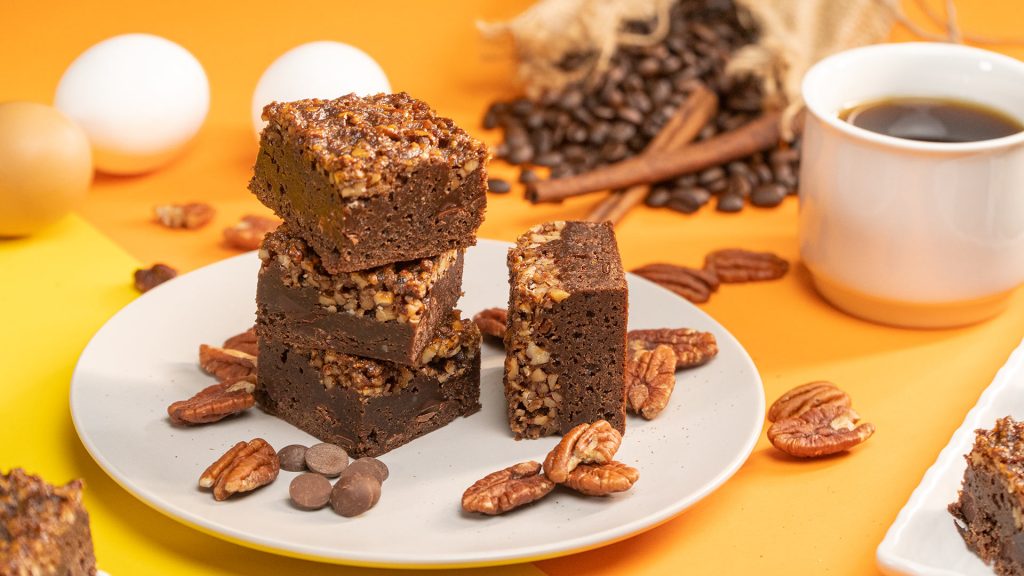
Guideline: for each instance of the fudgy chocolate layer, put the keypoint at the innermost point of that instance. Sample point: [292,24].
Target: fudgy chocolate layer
[985,520]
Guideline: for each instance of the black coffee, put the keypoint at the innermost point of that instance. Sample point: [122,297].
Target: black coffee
[932,119]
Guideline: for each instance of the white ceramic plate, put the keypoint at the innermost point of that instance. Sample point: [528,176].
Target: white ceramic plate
[923,540]
[145,357]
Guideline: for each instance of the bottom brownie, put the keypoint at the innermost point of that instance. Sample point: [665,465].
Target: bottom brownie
[368,406]
[990,510]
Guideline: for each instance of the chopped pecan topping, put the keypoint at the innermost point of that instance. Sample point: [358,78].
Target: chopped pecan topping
[650,379]
[227,364]
[820,431]
[243,468]
[190,216]
[602,479]
[735,265]
[245,342]
[690,283]
[214,403]
[148,278]
[507,489]
[692,347]
[492,322]
[806,397]
[593,443]
[248,233]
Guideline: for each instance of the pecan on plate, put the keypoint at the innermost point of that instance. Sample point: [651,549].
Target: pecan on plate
[492,322]
[650,379]
[593,443]
[690,283]
[248,233]
[819,432]
[227,364]
[736,265]
[148,278]
[214,403]
[244,342]
[243,468]
[189,216]
[807,397]
[692,347]
[602,479]
[507,489]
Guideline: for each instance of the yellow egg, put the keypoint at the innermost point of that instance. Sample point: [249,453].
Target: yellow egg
[45,166]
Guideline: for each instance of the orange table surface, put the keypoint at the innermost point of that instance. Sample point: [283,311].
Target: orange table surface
[776,516]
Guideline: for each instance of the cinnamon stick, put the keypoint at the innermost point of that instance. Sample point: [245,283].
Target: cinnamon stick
[694,113]
[756,136]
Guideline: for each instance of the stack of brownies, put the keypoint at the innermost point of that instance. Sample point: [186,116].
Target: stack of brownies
[360,344]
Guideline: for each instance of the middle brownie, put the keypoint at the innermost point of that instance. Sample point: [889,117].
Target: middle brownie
[389,313]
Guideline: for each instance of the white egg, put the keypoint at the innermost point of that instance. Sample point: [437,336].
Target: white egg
[140,98]
[317,70]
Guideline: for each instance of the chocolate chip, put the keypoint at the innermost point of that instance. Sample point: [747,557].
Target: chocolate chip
[354,494]
[293,457]
[326,459]
[309,491]
[368,466]
[498,186]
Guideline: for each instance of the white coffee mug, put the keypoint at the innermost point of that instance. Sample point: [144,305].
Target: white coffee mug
[906,232]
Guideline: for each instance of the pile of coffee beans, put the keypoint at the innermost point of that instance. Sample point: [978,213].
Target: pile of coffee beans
[589,123]
[356,490]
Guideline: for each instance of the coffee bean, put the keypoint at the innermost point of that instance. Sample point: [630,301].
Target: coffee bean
[710,175]
[520,154]
[498,186]
[326,459]
[292,457]
[491,117]
[740,185]
[631,115]
[729,203]
[309,491]
[689,200]
[658,197]
[521,107]
[768,195]
[354,494]
[549,159]
[371,466]
[527,176]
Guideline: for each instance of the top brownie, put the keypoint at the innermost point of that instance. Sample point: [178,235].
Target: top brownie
[371,180]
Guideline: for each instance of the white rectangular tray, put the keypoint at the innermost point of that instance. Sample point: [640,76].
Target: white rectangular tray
[923,540]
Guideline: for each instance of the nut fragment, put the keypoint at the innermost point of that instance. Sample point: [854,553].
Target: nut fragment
[650,379]
[692,347]
[507,489]
[248,233]
[736,265]
[492,322]
[148,278]
[819,432]
[593,443]
[214,403]
[602,479]
[189,216]
[245,467]
[693,284]
[806,397]
[227,364]
[244,342]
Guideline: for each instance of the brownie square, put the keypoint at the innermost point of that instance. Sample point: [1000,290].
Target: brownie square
[389,312]
[44,529]
[367,406]
[566,338]
[371,180]
[989,512]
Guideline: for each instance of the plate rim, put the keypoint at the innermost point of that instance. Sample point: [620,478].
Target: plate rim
[546,551]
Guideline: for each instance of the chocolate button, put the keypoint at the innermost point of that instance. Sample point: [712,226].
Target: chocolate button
[355,494]
[326,459]
[368,466]
[293,458]
[310,491]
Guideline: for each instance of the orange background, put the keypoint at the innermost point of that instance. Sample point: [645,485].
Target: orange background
[775,516]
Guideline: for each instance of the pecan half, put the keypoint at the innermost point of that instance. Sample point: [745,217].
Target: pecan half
[807,397]
[243,468]
[692,347]
[244,342]
[227,364]
[492,322]
[602,479]
[148,278]
[819,432]
[507,489]
[214,403]
[593,443]
[650,379]
[690,283]
[736,265]
[248,233]
[190,216]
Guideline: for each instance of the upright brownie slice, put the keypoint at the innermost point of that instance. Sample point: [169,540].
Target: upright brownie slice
[370,406]
[989,512]
[368,181]
[389,312]
[44,529]
[566,338]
